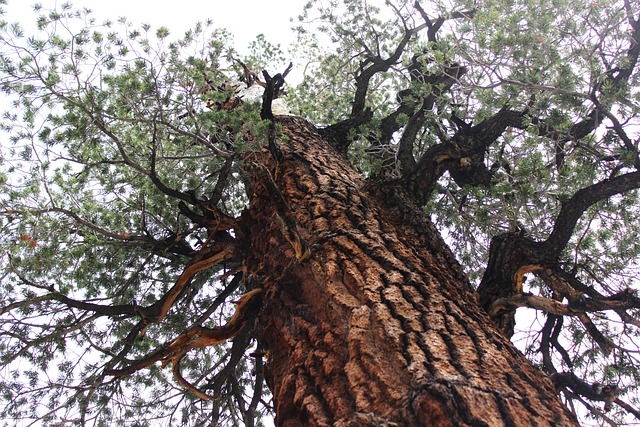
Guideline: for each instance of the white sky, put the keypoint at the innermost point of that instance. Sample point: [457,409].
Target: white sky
[244,19]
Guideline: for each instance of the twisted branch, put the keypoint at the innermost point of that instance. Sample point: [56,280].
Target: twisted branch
[196,337]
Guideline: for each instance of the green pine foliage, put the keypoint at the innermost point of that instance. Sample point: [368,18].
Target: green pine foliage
[93,110]
[107,126]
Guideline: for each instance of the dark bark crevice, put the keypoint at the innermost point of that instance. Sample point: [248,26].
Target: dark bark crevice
[380,319]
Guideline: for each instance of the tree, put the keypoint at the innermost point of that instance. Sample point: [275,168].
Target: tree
[141,195]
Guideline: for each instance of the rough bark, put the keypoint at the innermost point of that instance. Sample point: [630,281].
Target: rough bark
[377,325]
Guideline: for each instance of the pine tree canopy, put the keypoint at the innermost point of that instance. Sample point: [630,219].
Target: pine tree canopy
[132,169]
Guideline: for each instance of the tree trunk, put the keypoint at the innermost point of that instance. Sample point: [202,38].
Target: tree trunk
[378,326]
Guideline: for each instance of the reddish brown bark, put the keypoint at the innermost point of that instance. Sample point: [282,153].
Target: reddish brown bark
[378,324]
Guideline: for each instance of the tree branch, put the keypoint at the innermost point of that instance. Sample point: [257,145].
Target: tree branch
[605,393]
[377,65]
[196,337]
[583,199]
[462,155]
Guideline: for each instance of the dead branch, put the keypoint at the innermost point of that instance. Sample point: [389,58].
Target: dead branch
[194,338]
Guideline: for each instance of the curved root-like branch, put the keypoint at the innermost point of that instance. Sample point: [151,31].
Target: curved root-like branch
[202,262]
[576,307]
[196,337]
[186,384]
[532,301]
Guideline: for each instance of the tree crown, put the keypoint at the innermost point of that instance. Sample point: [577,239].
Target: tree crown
[124,173]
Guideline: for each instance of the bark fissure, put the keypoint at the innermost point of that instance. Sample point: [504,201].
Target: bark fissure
[380,320]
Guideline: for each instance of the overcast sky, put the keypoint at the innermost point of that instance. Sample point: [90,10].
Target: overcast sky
[244,19]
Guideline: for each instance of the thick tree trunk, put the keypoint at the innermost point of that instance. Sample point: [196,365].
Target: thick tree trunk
[378,325]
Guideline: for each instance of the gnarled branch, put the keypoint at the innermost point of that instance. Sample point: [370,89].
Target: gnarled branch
[194,338]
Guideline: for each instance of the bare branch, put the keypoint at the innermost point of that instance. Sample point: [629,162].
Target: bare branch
[373,65]
[574,208]
[197,337]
